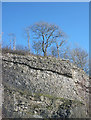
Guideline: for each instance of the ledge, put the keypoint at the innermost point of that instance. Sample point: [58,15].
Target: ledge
[59,66]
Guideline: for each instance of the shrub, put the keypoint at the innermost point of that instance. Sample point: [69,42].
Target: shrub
[18,51]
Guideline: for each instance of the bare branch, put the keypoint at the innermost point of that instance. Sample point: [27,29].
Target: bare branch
[47,34]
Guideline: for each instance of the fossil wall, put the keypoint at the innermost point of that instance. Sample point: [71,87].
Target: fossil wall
[43,87]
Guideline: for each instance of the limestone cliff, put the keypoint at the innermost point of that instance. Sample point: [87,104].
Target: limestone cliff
[38,87]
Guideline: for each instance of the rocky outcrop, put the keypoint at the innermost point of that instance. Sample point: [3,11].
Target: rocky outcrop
[38,87]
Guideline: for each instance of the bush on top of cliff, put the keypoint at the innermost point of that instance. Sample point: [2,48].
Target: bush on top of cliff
[18,51]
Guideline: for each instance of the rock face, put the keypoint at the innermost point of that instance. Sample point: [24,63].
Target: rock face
[38,87]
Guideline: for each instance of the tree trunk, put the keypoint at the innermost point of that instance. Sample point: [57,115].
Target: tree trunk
[10,44]
[28,42]
[58,50]
[28,45]
[14,44]
[45,53]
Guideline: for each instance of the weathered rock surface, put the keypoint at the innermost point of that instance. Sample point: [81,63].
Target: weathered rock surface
[38,87]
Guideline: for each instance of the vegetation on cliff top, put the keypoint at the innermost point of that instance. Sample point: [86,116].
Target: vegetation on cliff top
[48,40]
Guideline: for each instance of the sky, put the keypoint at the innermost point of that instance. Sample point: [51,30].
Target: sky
[71,17]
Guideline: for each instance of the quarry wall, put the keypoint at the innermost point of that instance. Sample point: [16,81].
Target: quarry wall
[39,87]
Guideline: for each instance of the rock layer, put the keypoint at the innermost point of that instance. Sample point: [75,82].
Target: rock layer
[39,87]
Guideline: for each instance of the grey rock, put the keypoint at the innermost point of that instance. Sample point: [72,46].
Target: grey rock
[43,87]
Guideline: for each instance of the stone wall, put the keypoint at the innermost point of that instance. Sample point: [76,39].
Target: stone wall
[43,87]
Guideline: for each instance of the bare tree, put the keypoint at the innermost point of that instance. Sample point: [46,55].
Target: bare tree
[27,31]
[12,39]
[80,58]
[37,47]
[65,52]
[53,51]
[61,50]
[47,34]
[1,40]
[90,67]
[59,44]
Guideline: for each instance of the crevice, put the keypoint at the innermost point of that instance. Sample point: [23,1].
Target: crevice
[36,68]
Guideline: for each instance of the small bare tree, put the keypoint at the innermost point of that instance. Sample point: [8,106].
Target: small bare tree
[65,52]
[53,51]
[80,58]
[37,47]
[27,31]
[61,50]
[47,34]
[1,40]
[59,44]
[12,39]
